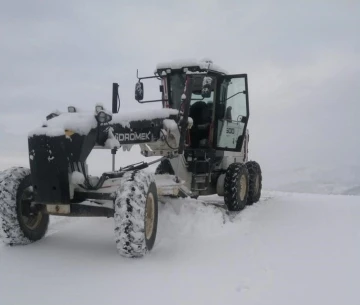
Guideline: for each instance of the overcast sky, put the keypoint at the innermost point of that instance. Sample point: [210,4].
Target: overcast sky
[302,59]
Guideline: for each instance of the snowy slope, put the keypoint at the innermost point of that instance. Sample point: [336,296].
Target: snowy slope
[287,249]
[336,180]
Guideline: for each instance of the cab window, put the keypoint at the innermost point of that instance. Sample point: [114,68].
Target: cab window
[232,120]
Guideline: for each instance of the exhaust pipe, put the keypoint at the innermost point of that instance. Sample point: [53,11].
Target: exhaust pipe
[115,98]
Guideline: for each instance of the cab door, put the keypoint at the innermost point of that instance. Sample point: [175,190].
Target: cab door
[231,112]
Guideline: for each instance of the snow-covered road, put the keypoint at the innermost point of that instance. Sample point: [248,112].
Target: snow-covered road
[286,249]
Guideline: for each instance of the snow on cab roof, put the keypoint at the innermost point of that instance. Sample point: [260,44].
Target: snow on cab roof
[184,63]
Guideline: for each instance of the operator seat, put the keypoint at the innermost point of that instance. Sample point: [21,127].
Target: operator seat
[200,113]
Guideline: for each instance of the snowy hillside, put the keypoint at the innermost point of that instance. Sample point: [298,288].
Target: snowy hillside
[338,179]
[286,249]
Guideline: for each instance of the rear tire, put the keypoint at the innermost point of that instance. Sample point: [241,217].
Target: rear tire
[19,225]
[255,182]
[136,214]
[236,186]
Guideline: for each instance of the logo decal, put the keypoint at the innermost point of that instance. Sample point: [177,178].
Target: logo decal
[133,136]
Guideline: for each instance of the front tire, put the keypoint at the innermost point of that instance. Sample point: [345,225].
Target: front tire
[236,186]
[19,223]
[136,214]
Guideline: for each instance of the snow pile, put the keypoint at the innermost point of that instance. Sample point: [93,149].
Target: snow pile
[189,218]
[111,142]
[80,123]
[170,125]
[77,178]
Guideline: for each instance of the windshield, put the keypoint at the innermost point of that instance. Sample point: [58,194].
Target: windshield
[177,85]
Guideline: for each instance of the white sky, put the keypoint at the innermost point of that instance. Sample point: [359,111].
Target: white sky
[302,59]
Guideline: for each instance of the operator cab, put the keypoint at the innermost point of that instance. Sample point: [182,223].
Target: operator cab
[218,105]
[201,105]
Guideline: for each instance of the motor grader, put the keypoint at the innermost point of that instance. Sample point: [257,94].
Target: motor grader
[199,134]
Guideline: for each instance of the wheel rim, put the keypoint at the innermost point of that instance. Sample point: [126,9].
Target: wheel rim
[257,184]
[149,215]
[243,187]
[33,218]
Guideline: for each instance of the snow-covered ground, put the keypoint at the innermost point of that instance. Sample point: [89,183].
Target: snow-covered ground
[287,249]
[335,180]
[290,248]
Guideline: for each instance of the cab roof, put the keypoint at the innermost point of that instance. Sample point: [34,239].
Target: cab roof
[189,65]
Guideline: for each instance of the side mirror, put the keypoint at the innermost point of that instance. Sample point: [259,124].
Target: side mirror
[139,91]
[206,87]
